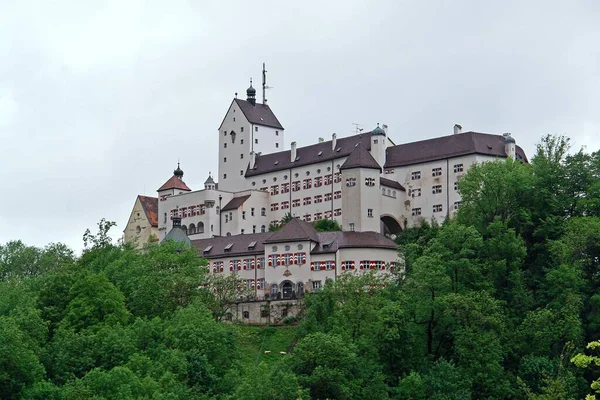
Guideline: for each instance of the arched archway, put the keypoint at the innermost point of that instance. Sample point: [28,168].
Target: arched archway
[200,227]
[287,289]
[390,225]
[192,229]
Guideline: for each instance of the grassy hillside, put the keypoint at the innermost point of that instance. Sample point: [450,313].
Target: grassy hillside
[255,340]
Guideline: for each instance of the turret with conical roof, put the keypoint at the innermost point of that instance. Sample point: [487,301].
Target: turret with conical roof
[209,184]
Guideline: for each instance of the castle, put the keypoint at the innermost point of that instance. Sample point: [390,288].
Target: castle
[371,186]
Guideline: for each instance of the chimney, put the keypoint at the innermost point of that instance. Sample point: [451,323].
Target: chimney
[293,152]
[333,141]
[457,129]
[252,159]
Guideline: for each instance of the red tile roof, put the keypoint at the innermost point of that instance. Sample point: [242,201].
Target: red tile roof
[150,207]
[174,183]
[446,147]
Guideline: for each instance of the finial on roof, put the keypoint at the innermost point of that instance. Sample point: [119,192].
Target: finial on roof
[251,94]
[178,172]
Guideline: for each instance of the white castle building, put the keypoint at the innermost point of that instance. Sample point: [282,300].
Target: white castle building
[366,182]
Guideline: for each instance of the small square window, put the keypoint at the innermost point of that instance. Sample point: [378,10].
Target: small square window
[256,129]
[352,226]
[224,176]
[233,119]
[242,156]
[241,129]
[255,141]
[370,212]
[277,145]
[276,133]
[241,141]
[241,172]
[225,145]
[224,159]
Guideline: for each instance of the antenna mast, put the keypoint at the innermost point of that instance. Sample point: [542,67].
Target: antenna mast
[264,73]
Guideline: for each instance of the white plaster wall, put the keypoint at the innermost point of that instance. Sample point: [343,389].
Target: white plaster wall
[229,171]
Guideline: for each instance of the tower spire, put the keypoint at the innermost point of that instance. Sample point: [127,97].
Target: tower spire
[264,84]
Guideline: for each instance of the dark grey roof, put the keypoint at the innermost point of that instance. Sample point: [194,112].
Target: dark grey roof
[308,155]
[293,231]
[327,242]
[235,203]
[259,114]
[177,234]
[360,158]
[378,131]
[330,242]
[240,245]
[209,180]
[446,147]
[392,184]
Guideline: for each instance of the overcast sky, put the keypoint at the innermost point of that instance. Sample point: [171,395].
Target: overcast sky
[99,99]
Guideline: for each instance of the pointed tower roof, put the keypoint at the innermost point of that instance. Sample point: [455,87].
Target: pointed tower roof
[360,158]
[378,131]
[294,231]
[210,180]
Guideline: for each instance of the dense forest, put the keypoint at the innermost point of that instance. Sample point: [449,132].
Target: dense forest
[499,302]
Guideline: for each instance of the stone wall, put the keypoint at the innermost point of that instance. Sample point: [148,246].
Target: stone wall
[267,312]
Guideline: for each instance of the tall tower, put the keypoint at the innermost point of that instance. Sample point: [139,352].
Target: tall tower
[247,127]
[361,192]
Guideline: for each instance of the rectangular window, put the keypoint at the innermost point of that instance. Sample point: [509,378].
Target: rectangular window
[224,159]
[318,198]
[415,192]
[369,181]
[318,216]
[274,190]
[415,175]
[225,145]
[241,141]
[243,214]
[307,184]
[285,205]
[252,211]
[241,172]
[285,188]
[455,185]
[352,226]
[306,201]
[350,182]
[416,211]
[458,168]
[316,285]
[456,205]
[337,177]
[165,220]
[253,228]
[370,212]
[437,208]
[264,189]
[307,217]
[242,156]
[241,129]
[256,129]
[327,214]
[224,176]
[318,181]
[337,194]
[436,171]
[296,203]
[328,179]
[337,212]
[263,212]
[255,141]
[295,186]
[329,265]
[274,206]
[277,145]
[276,133]
[328,196]
[436,189]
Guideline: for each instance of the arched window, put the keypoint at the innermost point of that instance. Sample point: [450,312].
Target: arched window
[263,229]
[274,289]
[383,191]
[263,212]
[200,227]
[246,314]
[184,229]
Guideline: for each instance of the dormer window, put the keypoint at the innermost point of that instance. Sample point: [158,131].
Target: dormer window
[207,250]
[228,247]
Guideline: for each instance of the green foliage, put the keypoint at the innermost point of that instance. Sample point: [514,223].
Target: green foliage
[327,225]
[583,360]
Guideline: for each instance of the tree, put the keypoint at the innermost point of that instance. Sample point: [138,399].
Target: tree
[327,225]
[583,360]
[224,291]
[101,239]
[19,366]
